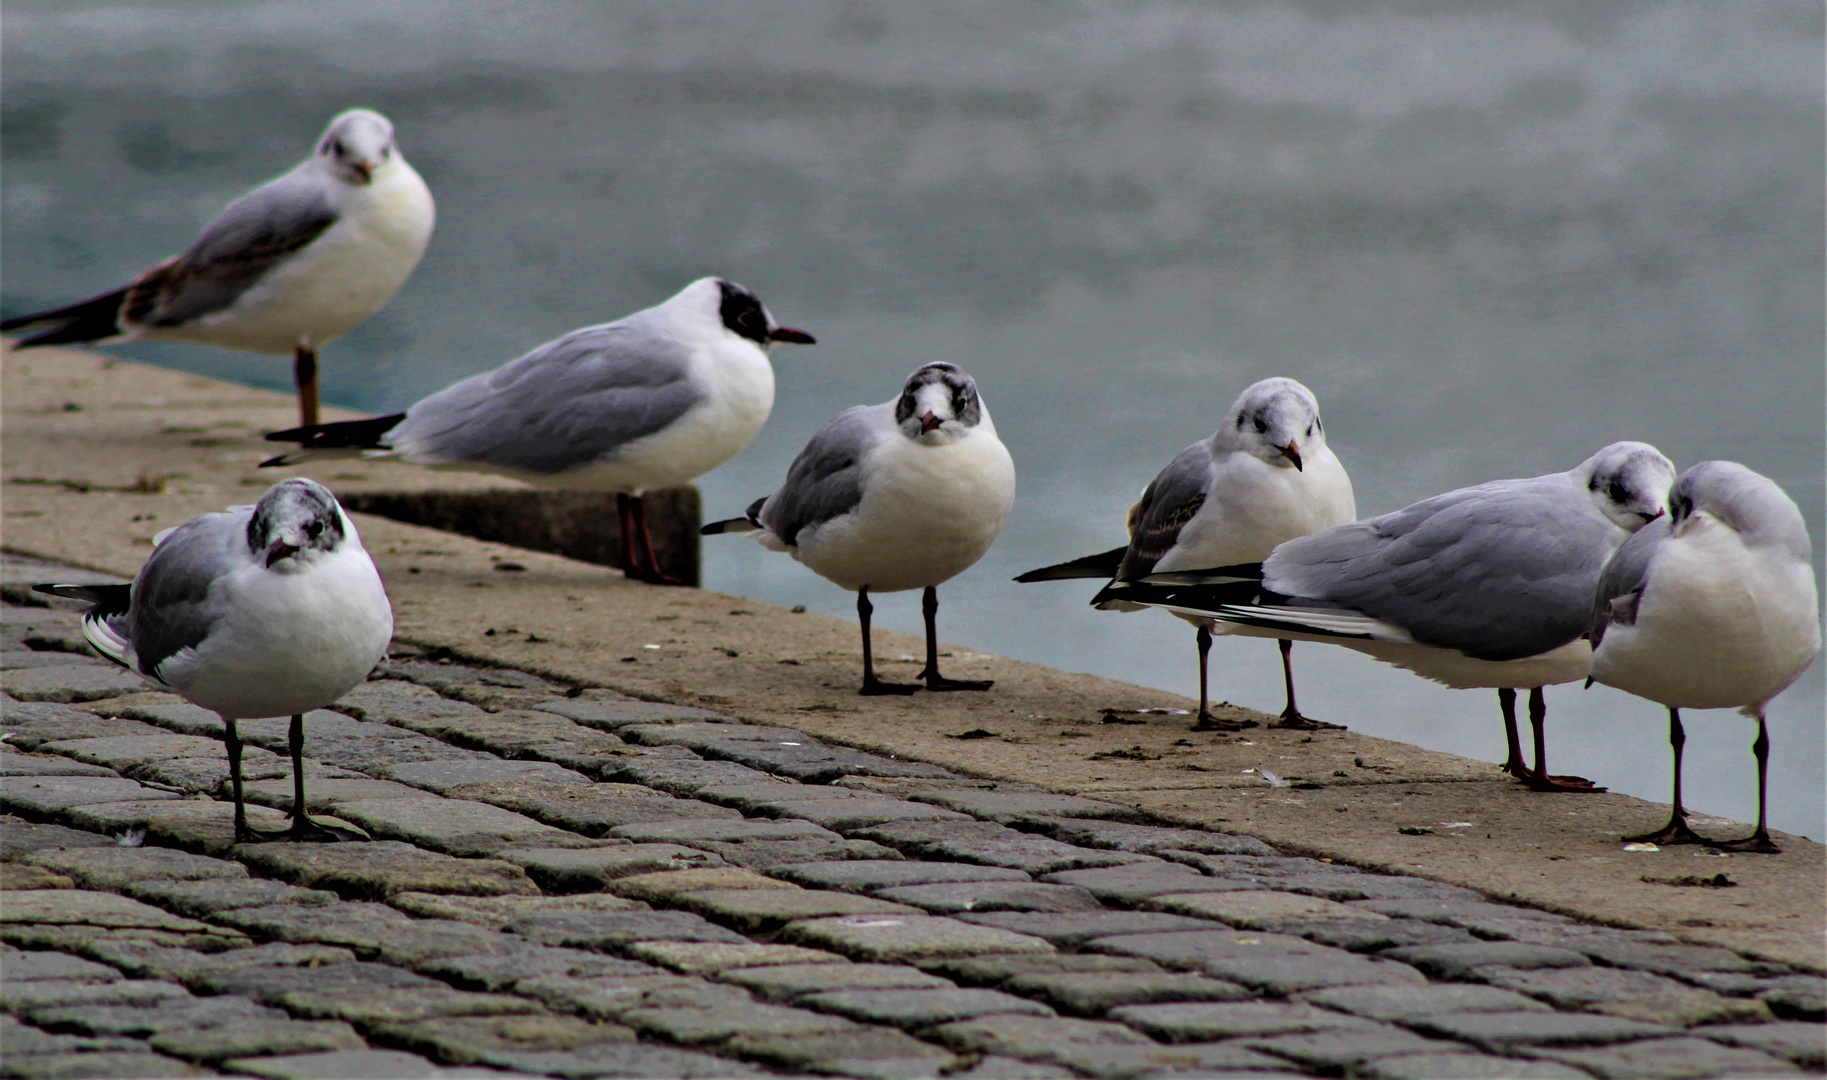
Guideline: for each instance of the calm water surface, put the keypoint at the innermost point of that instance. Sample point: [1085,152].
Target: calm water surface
[1492,238]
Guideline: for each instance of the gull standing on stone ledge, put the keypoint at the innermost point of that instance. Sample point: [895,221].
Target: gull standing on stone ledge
[1264,477]
[902,495]
[287,267]
[647,402]
[1713,608]
[273,609]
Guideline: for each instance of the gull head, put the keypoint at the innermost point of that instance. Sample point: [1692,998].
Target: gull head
[357,145]
[938,405]
[715,302]
[1276,420]
[1749,504]
[1628,482]
[294,524]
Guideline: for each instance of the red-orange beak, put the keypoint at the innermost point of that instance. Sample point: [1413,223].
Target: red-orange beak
[788,334]
[1292,453]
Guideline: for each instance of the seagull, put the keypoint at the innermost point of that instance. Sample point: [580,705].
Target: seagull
[650,401]
[273,609]
[297,261]
[1711,609]
[1487,586]
[1264,477]
[902,495]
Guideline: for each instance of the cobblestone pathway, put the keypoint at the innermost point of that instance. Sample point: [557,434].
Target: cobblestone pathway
[568,882]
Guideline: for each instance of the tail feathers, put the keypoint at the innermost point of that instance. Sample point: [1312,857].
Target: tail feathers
[1102,565]
[320,439]
[95,319]
[748,522]
[105,624]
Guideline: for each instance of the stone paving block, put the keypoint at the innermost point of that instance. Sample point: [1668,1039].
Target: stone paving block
[371,748]
[682,777]
[990,844]
[816,763]
[997,969]
[865,875]
[1373,935]
[699,736]
[356,925]
[191,824]
[465,1039]
[1076,928]
[1094,993]
[1662,959]
[765,855]
[323,793]
[23,1040]
[17,876]
[452,826]
[49,796]
[951,898]
[440,777]
[1282,974]
[79,680]
[710,958]
[691,833]
[450,678]
[500,971]
[172,1014]
[1403,1003]
[436,939]
[123,753]
[1152,839]
[1467,1067]
[339,1065]
[870,1052]
[139,1064]
[1205,1021]
[12,764]
[1797,997]
[181,717]
[700,1027]
[569,870]
[615,715]
[392,1006]
[1041,1038]
[1462,961]
[1256,909]
[195,969]
[917,1009]
[1231,1060]
[1004,805]
[385,701]
[115,868]
[614,931]
[383,868]
[1335,1051]
[608,998]
[1190,950]
[496,912]
[270,983]
[907,938]
[846,815]
[23,659]
[29,998]
[1502,1032]
[1344,887]
[22,967]
[1801,1043]
[100,942]
[201,899]
[1669,1059]
[1134,883]
[636,1060]
[30,724]
[790,981]
[757,911]
[590,809]
[80,906]
[755,798]
[1637,995]
[1463,913]
[255,1038]
[663,887]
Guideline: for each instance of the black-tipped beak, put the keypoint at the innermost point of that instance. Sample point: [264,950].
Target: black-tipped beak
[929,422]
[1292,453]
[363,169]
[279,550]
[788,334]
[1647,518]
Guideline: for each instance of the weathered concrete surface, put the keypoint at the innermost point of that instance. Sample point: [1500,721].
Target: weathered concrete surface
[70,496]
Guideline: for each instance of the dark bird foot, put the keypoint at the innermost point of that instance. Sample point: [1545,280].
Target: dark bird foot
[1675,832]
[877,688]
[652,577]
[1208,722]
[1294,721]
[1569,784]
[305,831]
[1758,843]
[940,683]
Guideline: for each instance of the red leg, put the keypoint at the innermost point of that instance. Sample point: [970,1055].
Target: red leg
[304,375]
[653,574]
[1540,780]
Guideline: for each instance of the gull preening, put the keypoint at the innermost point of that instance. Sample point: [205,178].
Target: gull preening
[1487,586]
[267,610]
[902,495]
[650,401]
[286,268]
[1712,609]
[1264,477]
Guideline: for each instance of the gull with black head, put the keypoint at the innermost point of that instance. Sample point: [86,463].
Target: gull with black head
[902,495]
[267,610]
[650,401]
[286,268]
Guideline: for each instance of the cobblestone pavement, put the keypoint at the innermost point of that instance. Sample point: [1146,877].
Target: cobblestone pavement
[568,882]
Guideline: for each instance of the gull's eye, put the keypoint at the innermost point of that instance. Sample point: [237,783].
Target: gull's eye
[314,530]
[1260,426]
[1616,492]
[1309,431]
[337,148]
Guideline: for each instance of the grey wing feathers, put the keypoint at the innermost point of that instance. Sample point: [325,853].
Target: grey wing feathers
[1170,501]
[567,404]
[1497,572]
[826,480]
[171,596]
[1621,584]
[249,238]
[105,625]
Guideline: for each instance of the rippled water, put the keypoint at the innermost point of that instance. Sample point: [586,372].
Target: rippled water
[1491,239]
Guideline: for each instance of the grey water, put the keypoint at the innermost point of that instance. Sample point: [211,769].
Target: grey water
[1491,237]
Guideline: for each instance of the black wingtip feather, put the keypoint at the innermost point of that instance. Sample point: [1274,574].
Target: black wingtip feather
[1102,565]
[109,600]
[342,435]
[94,319]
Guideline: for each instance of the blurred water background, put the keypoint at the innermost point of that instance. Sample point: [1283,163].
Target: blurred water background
[1492,237]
